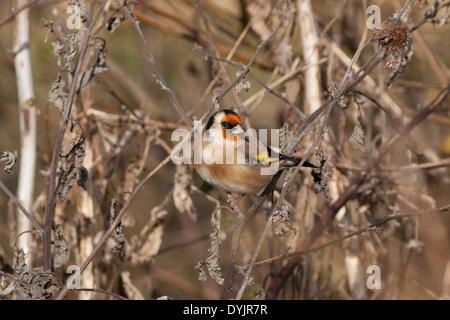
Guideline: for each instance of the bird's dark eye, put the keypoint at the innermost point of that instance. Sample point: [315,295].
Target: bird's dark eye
[226,125]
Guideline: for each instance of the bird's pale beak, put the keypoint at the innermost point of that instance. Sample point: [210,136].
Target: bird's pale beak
[237,130]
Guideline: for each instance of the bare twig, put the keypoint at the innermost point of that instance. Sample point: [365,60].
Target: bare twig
[16,11]
[419,117]
[253,259]
[21,207]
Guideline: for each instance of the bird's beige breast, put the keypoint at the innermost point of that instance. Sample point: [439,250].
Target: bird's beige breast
[234,178]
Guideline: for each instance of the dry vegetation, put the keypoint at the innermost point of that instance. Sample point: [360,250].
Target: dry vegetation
[103,198]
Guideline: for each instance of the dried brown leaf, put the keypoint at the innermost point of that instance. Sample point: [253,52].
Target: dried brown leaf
[57,95]
[10,159]
[181,197]
[99,67]
[35,284]
[42,286]
[147,246]
[118,231]
[22,271]
[211,262]
[62,252]
[65,50]
[71,163]
[358,138]
[9,288]
[321,174]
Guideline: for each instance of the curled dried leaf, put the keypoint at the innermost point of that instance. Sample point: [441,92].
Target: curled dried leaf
[57,95]
[200,267]
[99,67]
[83,8]
[321,174]
[34,284]
[282,230]
[149,242]
[71,163]
[181,197]
[65,50]
[22,270]
[118,231]
[285,136]
[281,215]
[62,252]
[42,286]
[358,138]
[280,219]
[211,262]
[9,159]
[7,288]
[243,84]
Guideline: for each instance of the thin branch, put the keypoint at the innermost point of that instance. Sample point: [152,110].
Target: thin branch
[253,259]
[430,14]
[418,118]
[21,207]
[16,11]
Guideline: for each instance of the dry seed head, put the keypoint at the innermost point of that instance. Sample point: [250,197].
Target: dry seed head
[391,39]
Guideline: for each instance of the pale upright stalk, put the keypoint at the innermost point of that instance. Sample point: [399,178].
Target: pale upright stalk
[27,112]
[310,41]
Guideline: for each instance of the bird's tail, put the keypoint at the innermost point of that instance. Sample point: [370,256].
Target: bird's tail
[295,161]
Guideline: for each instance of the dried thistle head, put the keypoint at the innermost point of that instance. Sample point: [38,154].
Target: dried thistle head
[392,39]
[396,43]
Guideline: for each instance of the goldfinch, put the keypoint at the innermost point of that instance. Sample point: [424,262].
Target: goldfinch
[236,161]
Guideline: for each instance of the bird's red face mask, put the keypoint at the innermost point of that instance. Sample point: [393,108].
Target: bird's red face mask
[232,127]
